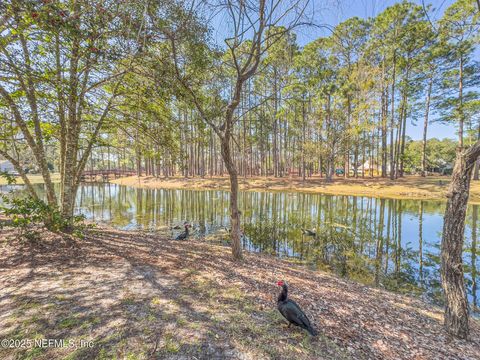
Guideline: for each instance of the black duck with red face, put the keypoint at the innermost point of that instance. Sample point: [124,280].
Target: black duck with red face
[291,311]
[184,235]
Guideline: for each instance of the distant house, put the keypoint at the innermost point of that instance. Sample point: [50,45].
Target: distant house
[6,166]
[368,166]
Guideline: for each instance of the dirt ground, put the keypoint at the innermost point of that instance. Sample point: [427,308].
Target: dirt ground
[409,187]
[135,295]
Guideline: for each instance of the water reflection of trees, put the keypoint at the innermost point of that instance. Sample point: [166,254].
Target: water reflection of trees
[386,242]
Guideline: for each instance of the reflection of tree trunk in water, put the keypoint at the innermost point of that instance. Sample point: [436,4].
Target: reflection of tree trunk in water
[110,200]
[389,220]
[420,240]
[362,228]
[373,230]
[321,243]
[201,213]
[301,247]
[399,238]
[139,201]
[274,222]
[93,202]
[82,194]
[395,234]
[379,247]
[354,223]
[354,210]
[158,212]
[474,255]
[145,219]
[102,199]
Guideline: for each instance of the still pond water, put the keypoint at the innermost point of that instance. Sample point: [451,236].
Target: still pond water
[386,242]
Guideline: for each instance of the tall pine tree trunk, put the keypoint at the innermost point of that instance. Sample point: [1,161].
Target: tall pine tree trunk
[460,107]
[456,307]
[392,123]
[425,127]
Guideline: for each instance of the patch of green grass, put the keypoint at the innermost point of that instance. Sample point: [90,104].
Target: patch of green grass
[103,355]
[34,179]
[92,321]
[29,305]
[128,299]
[195,325]
[181,321]
[171,345]
[155,301]
[68,323]
[135,356]
[60,297]
[31,320]
[33,353]
[233,293]
[191,272]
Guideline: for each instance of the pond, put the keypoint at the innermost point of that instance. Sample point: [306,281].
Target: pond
[384,242]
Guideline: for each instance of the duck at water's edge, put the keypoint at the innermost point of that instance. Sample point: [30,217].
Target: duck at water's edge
[184,235]
[291,311]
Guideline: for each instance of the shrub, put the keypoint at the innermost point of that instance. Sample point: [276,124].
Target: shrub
[28,214]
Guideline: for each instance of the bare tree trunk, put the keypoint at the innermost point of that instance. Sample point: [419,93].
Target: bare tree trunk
[392,123]
[473,260]
[402,139]
[460,97]
[384,102]
[477,163]
[456,307]
[425,127]
[420,239]
[234,212]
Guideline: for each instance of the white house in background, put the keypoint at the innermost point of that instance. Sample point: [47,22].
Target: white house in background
[367,166]
[6,166]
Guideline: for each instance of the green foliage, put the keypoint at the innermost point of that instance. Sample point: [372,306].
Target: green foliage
[28,213]
[11,180]
[439,154]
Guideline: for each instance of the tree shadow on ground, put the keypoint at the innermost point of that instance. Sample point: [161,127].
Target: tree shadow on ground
[137,296]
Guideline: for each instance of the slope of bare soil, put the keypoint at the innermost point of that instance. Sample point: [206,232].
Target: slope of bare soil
[138,296]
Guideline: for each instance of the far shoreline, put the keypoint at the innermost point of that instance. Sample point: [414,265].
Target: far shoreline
[409,187]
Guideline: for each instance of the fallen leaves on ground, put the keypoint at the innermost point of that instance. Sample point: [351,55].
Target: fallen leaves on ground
[138,295]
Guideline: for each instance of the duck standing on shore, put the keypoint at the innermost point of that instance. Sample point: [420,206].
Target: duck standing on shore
[291,311]
[184,235]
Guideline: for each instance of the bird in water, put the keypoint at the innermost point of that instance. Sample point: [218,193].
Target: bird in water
[291,311]
[184,234]
[308,232]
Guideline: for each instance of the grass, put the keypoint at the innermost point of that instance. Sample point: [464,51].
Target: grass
[34,179]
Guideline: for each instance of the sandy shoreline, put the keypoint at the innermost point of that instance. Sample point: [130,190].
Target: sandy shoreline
[410,187]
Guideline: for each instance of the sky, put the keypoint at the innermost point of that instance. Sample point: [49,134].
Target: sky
[333,12]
